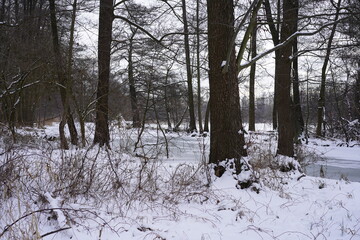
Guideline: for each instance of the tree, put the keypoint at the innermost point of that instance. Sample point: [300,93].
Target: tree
[26,75]
[198,64]
[102,136]
[351,28]
[274,30]
[207,116]
[252,83]
[133,95]
[192,124]
[298,117]
[321,101]
[357,92]
[64,84]
[226,132]
[139,15]
[285,120]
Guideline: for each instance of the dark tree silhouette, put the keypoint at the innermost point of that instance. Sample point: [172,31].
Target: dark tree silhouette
[106,17]
[226,133]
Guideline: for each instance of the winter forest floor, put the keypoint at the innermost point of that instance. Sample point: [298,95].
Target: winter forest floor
[92,193]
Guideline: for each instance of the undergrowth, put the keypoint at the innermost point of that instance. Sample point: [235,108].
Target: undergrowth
[47,190]
[50,188]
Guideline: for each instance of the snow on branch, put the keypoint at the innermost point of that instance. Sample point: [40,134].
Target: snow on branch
[8,24]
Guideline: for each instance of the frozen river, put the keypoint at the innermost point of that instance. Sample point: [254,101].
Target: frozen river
[336,169]
[338,161]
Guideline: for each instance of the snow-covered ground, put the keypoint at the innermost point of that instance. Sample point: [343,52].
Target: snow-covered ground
[91,193]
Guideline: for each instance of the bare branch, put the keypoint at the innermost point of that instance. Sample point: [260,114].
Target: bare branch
[249,30]
[139,27]
[55,231]
[287,41]
[117,4]
[173,10]
[232,43]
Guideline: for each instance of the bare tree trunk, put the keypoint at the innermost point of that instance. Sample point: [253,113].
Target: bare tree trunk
[147,103]
[226,136]
[63,82]
[70,120]
[274,30]
[192,125]
[338,109]
[321,101]
[102,136]
[133,97]
[299,121]
[277,68]
[357,93]
[285,120]
[198,63]
[252,83]
[307,110]
[167,107]
[161,129]
[81,115]
[207,116]
[276,87]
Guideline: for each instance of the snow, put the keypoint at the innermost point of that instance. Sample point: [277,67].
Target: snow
[171,198]
[333,150]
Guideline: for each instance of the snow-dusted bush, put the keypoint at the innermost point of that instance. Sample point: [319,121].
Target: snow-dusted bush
[48,189]
[273,170]
[245,177]
[346,130]
[306,156]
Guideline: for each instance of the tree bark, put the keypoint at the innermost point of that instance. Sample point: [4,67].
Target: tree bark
[299,121]
[274,30]
[167,106]
[207,116]
[192,125]
[81,117]
[102,136]
[357,93]
[133,97]
[70,120]
[63,83]
[252,83]
[321,101]
[338,109]
[198,63]
[226,134]
[285,120]
[276,87]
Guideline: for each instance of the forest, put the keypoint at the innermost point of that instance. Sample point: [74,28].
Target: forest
[175,119]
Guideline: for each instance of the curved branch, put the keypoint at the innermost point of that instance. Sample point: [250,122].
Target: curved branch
[287,41]
[139,27]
